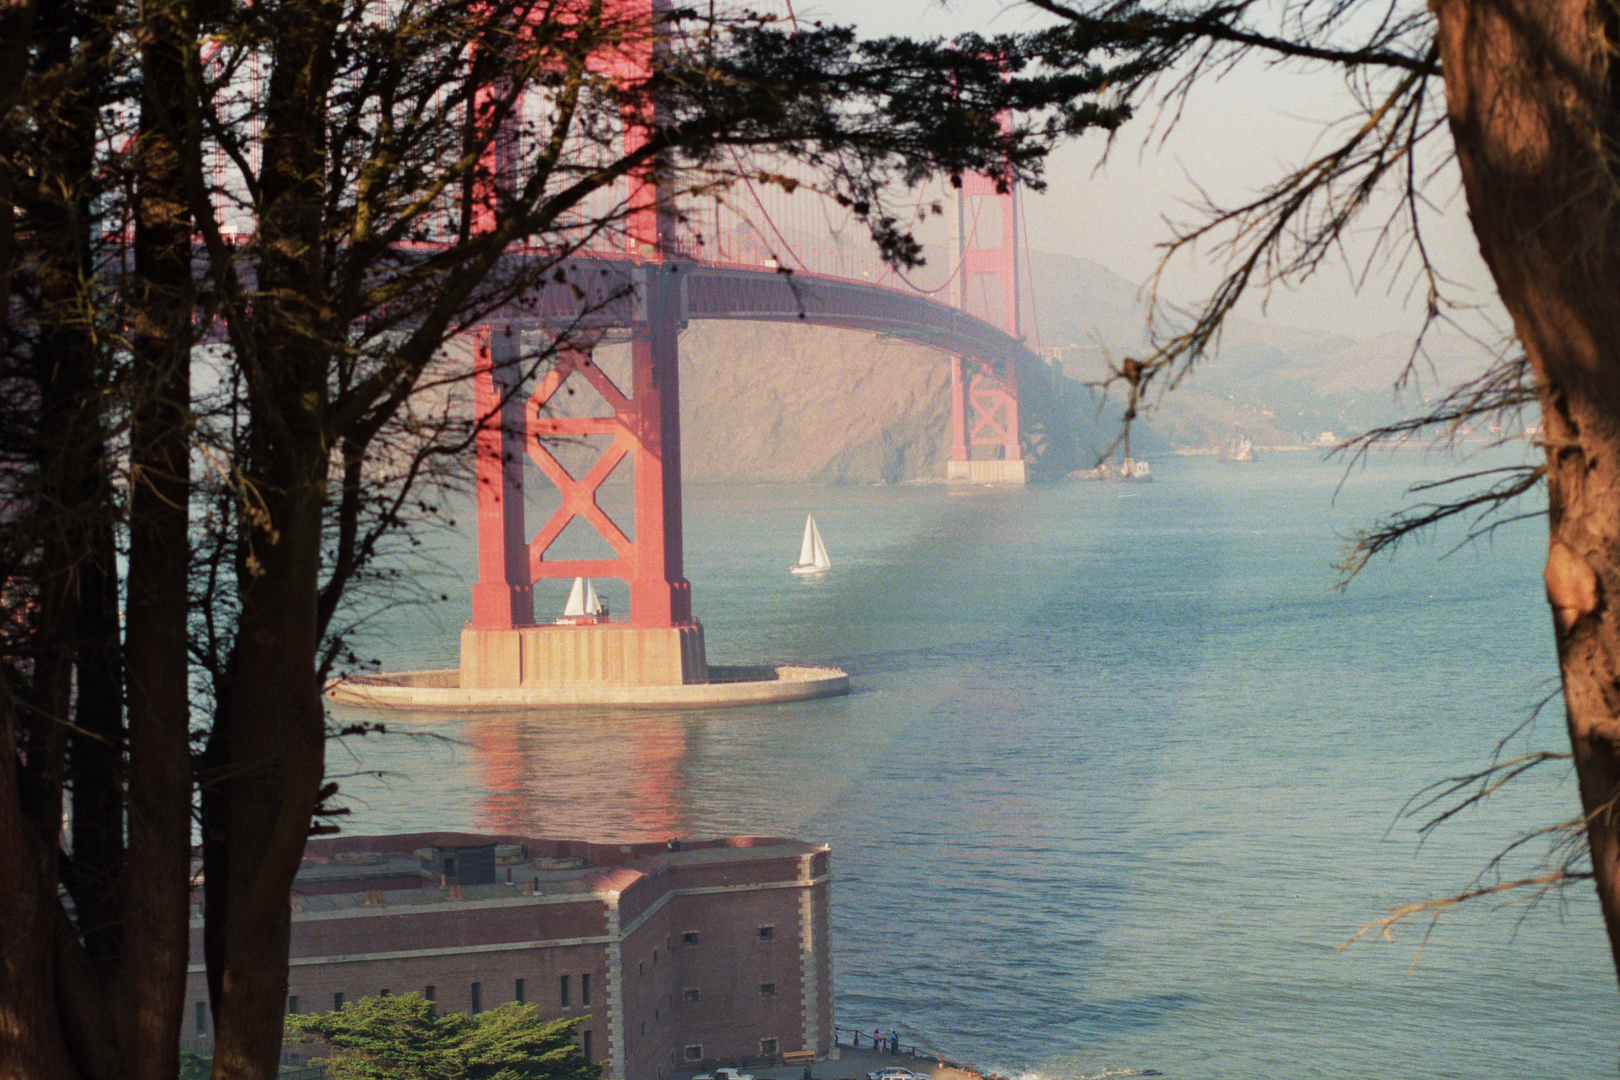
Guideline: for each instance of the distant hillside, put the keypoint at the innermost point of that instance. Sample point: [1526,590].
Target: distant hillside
[763,401]
[768,401]
[1281,384]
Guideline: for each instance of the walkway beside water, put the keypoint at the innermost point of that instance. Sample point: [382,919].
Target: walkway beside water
[853,1062]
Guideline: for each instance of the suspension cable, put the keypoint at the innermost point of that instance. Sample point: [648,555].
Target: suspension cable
[1029,265]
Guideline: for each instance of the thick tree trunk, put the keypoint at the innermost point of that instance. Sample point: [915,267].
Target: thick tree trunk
[1533,109]
[31,1037]
[156,911]
[258,812]
[269,737]
[75,642]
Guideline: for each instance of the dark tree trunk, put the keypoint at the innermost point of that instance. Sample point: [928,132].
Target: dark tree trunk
[257,812]
[157,898]
[75,631]
[267,748]
[1533,108]
[31,1036]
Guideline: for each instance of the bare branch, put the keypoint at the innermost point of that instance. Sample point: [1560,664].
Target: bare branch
[1542,884]
[1385,535]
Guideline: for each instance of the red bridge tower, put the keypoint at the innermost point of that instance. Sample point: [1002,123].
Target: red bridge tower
[985,443]
[660,644]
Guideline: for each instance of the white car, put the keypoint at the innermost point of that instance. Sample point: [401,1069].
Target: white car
[724,1074]
[895,1072]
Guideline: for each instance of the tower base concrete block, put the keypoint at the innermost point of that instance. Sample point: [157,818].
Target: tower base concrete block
[602,654]
[986,472]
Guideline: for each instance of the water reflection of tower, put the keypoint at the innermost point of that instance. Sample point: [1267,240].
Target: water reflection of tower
[598,777]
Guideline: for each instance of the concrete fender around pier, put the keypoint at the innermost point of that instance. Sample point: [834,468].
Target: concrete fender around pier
[441,691]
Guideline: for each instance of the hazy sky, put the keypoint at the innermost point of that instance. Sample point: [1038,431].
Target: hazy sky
[1236,135]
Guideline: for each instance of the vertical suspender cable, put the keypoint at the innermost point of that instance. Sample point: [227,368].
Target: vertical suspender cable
[1029,266]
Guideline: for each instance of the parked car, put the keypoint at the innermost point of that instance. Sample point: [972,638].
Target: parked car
[724,1074]
[895,1072]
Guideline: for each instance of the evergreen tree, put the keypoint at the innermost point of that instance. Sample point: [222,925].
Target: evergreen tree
[403,1038]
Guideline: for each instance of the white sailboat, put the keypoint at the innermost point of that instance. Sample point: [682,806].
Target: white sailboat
[583,603]
[812,552]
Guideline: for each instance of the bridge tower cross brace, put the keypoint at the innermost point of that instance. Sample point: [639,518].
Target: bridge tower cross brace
[645,427]
[984,389]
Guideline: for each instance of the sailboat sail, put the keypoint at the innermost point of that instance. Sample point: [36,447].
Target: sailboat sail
[818,558]
[576,600]
[812,552]
[807,548]
[583,602]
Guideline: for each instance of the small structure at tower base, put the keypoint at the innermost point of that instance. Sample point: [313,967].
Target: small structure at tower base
[592,654]
[986,472]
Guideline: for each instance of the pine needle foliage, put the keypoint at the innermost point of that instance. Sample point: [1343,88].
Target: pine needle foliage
[404,1038]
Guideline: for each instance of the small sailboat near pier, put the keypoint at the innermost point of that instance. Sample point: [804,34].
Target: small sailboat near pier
[812,552]
[584,606]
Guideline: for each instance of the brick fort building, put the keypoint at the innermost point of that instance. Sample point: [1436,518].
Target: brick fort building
[677,955]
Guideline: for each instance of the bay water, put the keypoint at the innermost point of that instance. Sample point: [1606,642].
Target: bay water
[1119,775]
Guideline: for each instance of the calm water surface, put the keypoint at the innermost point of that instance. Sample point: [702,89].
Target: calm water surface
[1118,777]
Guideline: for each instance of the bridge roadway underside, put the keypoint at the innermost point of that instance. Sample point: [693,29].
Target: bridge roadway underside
[599,293]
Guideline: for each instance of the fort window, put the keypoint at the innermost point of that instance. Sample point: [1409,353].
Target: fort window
[692,994]
[689,938]
[767,932]
[562,991]
[585,1039]
[292,1004]
[385,992]
[655,956]
[477,996]
[429,991]
[694,1053]
[767,1048]
[585,989]
[517,992]
[337,1000]
[767,989]
[202,1017]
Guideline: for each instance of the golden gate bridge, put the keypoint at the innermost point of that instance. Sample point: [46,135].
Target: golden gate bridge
[770,252]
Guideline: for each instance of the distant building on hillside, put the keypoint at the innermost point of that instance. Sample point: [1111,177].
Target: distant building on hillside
[680,954]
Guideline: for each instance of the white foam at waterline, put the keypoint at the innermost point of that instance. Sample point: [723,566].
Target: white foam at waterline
[1105,1074]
